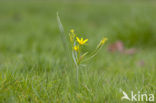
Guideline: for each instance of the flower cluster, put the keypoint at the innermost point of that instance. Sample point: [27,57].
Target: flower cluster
[77,43]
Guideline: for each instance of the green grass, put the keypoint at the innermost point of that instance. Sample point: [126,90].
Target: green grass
[33,65]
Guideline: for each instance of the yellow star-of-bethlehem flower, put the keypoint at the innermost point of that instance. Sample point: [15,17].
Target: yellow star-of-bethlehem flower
[72,35]
[76,47]
[72,30]
[103,40]
[101,43]
[81,41]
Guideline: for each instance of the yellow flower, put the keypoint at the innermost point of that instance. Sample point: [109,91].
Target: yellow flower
[72,30]
[101,43]
[76,47]
[103,40]
[81,41]
[72,35]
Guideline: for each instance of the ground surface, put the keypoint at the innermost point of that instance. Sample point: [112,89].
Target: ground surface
[33,67]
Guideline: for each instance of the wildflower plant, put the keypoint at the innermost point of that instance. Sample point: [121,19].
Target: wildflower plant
[75,43]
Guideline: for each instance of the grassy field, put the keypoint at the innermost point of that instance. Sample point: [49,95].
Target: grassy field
[33,63]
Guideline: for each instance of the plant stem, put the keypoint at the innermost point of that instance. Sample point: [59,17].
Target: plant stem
[77,74]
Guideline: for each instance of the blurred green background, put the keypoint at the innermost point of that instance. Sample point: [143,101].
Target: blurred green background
[24,24]
[32,67]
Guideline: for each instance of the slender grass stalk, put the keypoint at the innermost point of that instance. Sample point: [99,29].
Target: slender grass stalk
[65,42]
[63,36]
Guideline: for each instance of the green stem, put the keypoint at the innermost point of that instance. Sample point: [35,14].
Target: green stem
[77,74]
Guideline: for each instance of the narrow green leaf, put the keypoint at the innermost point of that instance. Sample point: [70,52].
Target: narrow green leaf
[63,36]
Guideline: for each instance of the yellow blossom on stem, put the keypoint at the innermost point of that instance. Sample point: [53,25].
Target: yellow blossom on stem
[76,47]
[103,40]
[72,30]
[72,35]
[81,41]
